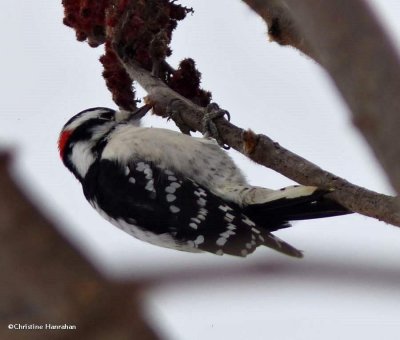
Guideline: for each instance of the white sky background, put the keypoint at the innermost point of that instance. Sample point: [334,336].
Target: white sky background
[347,284]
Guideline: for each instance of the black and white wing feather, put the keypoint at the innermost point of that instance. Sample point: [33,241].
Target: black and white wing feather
[163,207]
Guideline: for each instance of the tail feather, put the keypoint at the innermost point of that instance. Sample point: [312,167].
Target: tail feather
[281,246]
[299,208]
[322,208]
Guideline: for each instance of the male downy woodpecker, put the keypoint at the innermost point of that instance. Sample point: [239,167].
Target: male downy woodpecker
[178,191]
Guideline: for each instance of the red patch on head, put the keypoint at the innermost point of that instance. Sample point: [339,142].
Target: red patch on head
[62,141]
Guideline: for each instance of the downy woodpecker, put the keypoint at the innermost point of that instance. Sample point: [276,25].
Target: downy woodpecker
[178,191]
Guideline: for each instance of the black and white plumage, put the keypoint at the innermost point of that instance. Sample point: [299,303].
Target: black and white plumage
[179,191]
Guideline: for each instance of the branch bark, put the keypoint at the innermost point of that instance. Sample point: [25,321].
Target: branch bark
[264,151]
[280,23]
[348,41]
[46,281]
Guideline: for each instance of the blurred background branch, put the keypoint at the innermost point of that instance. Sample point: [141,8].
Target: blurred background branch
[346,38]
[46,281]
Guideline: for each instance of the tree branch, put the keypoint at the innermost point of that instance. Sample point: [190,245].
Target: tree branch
[348,41]
[264,151]
[281,26]
[46,281]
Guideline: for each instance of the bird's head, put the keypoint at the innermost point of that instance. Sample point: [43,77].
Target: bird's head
[83,136]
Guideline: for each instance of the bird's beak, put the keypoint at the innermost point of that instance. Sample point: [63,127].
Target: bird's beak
[132,116]
[140,112]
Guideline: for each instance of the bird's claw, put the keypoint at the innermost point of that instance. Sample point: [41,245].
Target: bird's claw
[210,130]
[175,115]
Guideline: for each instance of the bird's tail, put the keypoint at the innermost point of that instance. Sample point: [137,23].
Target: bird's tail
[271,241]
[273,214]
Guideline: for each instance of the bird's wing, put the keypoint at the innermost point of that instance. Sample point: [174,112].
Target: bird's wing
[181,213]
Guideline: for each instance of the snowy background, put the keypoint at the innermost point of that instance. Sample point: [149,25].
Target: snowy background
[347,285]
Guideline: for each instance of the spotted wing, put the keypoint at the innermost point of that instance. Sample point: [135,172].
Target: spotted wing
[176,211]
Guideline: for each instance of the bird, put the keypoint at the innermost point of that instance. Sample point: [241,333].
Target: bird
[178,191]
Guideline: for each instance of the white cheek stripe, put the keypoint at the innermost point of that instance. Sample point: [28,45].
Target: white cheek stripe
[82,157]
